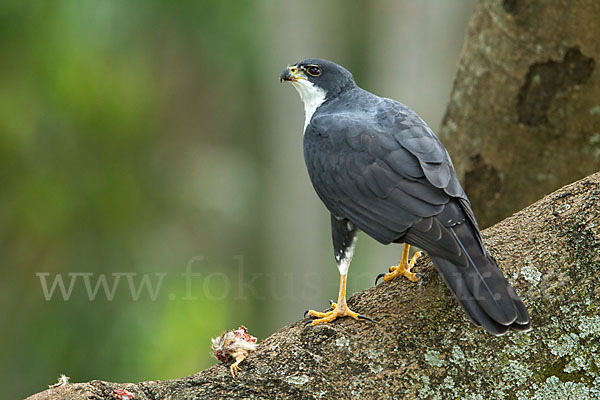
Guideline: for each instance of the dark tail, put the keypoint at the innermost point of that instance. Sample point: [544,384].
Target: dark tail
[496,311]
[472,274]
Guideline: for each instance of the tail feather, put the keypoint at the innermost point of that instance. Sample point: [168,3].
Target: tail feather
[470,272]
[471,307]
[486,283]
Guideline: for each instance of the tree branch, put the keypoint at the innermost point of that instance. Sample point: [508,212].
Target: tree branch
[421,344]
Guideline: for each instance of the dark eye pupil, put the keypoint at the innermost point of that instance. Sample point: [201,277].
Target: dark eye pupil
[313,70]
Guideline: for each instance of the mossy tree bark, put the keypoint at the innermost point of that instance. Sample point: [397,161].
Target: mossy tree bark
[524,113]
[421,345]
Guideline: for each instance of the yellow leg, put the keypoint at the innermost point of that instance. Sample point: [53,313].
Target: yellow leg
[339,309]
[235,367]
[404,266]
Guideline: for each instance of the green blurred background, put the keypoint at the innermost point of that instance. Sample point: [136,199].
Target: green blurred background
[141,139]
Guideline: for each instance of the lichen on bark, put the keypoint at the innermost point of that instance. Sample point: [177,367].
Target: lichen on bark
[421,345]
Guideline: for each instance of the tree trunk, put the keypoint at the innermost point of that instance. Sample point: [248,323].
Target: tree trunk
[421,344]
[524,113]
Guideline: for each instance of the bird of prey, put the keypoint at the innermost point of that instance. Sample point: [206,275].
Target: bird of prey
[379,168]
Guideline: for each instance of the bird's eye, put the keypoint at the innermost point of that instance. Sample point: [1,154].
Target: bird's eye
[313,71]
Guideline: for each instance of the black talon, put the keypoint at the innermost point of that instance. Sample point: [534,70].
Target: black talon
[360,316]
[331,302]
[379,276]
[306,312]
[308,322]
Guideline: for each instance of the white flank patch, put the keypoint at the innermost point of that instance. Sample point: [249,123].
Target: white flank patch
[312,96]
[344,264]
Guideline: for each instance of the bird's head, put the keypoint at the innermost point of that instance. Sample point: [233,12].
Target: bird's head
[316,78]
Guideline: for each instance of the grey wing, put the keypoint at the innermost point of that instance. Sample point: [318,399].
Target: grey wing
[383,176]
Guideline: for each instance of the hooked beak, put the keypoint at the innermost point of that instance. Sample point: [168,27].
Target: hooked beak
[291,74]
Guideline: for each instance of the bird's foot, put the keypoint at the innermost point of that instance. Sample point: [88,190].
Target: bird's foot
[234,370]
[336,312]
[403,269]
[235,367]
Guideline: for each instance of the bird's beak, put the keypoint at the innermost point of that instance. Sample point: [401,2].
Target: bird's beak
[291,74]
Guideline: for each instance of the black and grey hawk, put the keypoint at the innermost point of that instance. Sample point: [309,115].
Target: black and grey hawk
[381,170]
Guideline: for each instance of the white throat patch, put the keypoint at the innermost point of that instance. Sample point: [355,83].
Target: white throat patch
[311,95]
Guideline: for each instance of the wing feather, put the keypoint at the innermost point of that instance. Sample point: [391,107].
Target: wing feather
[384,178]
